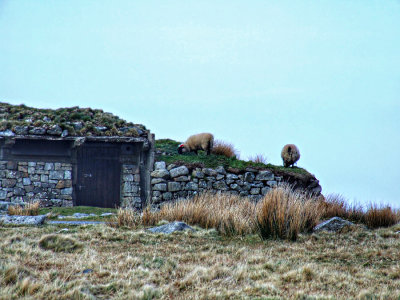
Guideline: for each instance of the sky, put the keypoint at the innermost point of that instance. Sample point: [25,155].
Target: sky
[324,75]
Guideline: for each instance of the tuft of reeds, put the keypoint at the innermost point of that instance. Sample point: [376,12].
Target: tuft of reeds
[258,158]
[225,149]
[284,213]
[380,216]
[59,243]
[30,209]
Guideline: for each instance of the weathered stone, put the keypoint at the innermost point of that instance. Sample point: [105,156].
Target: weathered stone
[174,186]
[54,130]
[182,178]
[127,177]
[60,184]
[255,191]
[220,170]
[19,192]
[44,178]
[67,174]
[157,180]
[3,194]
[49,166]
[272,183]
[182,194]
[171,227]
[38,130]
[198,173]
[23,220]
[209,172]
[265,190]
[179,171]
[21,130]
[220,185]
[31,164]
[220,177]
[232,177]
[202,184]
[156,193]
[9,183]
[257,184]
[244,193]
[235,187]
[170,167]
[26,181]
[160,173]
[11,174]
[246,186]
[249,176]
[160,187]
[7,132]
[334,224]
[191,186]
[160,165]
[265,175]
[56,175]
[66,191]
[167,196]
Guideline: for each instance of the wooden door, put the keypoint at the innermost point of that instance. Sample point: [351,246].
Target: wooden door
[99,175]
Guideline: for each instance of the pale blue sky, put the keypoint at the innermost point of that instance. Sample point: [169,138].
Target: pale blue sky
[324,75]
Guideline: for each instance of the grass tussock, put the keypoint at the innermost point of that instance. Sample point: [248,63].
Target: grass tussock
[374,216]
[225,149]
[284,213]
[59,243]
[30,209]
[258,159]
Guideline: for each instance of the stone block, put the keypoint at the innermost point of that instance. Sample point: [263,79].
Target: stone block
[127,177]
[167,196]
[60,184]
[265,175]
[174,186]
[31,164]
[160,173]
[255,191]
[56,175]
[67,174]
[191,186]
[159,165]
[198,173]
[44,178]
[157,180]
[160,187]
[179,171]
[249,177]
[220,177]
[220,170]
[9,183]
[48,166]
[26,181]
[220,185]
[209,172]
[182,178]
[265,190]
[57,166]
[11,165]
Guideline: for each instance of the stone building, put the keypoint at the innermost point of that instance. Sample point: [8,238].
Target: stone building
[73,156]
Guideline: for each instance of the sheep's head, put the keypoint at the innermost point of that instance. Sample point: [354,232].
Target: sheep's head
[182,149]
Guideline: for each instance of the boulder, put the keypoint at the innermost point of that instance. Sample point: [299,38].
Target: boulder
[23,220]
[333,225]
[171,227]
[265,176]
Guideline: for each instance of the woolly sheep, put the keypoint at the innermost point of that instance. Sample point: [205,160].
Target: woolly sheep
[290,155]
[201,141]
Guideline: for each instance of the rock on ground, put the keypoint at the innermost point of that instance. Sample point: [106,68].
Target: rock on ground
[23,220]
[334,224]
[171,227]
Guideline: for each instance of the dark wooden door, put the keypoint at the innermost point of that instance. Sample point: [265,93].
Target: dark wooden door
[99,175]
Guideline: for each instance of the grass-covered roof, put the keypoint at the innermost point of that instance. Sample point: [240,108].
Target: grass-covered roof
[62,122]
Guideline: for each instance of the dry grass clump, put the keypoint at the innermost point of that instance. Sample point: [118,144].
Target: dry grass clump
[225,149]
[284,213]
[59,243]
[30,209]
[374,216]
[258,158]
[380,216]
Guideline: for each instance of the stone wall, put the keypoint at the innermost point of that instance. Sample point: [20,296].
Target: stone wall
[172,182]
[48,182]
[130,187]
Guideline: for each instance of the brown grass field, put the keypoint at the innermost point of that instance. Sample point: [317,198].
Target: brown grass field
[233,261]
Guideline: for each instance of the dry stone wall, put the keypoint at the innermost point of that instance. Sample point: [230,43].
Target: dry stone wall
[170,182]
[47,182]
[130,191]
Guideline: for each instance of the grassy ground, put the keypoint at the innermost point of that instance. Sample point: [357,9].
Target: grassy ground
[134,264]
[69,211]
[169,147]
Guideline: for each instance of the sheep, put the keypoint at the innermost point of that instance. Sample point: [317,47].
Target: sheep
[201,141]
[290,155]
